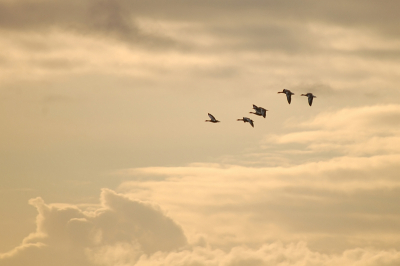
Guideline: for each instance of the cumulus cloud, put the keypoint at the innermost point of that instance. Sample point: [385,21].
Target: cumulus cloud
[273,254]
[118,231]
[122,231]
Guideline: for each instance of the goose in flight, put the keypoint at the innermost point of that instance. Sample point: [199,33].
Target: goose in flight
[288,94]
[259,111]
[248,120]
[310,97]
[213,120]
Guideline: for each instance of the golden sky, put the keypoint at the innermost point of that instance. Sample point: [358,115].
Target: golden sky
[105,157]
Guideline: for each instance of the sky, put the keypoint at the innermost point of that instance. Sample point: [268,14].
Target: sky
[106,158]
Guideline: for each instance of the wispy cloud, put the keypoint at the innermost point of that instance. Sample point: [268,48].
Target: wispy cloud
[368,130]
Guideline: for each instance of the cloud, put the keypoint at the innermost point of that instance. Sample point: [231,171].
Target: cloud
[272,254]
[124,228]
[119,231]
[268,44]
[346,200]
[259,25]
[368,130]
[107,18]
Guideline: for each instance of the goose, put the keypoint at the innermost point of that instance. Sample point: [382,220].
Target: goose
[259,111]
[213,120]
[248,120]
[310,97]
[288,94]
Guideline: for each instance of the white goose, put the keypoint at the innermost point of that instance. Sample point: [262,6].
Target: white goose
[259,111]
[310,97]
[213,120]
[248,120]
[288,94]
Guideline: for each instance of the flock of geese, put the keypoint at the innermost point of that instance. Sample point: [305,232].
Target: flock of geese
[260,111]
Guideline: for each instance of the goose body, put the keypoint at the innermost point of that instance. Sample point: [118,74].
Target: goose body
[259,111]
[248,120]
[310,97]
[213,120]
[288,94]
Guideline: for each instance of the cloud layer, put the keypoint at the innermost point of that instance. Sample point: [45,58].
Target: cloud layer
[121,231]
[345,199]
[117,232]
[92,87]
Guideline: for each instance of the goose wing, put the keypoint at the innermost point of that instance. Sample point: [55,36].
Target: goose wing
[289,97]
[211,117]
[251,122]
[263,112]
[246,119]
[255,107]
[310,99]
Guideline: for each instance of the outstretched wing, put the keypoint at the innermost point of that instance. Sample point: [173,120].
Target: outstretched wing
[211,117]
[310,99]
[289,97]
[263,112]
[255,107]
[251,122]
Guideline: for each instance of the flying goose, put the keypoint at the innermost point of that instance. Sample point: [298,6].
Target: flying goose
[288,94]
[259,111]
[248,120]
[310,97]
[213,120]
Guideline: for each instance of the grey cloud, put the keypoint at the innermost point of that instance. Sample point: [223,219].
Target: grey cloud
[265,36]
[105,17]
[257,25]
[284,26]
[390,54]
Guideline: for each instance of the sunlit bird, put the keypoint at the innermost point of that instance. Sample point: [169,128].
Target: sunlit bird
[213,120]
[288,94]
[259,111]
[248,120]
[310,97]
